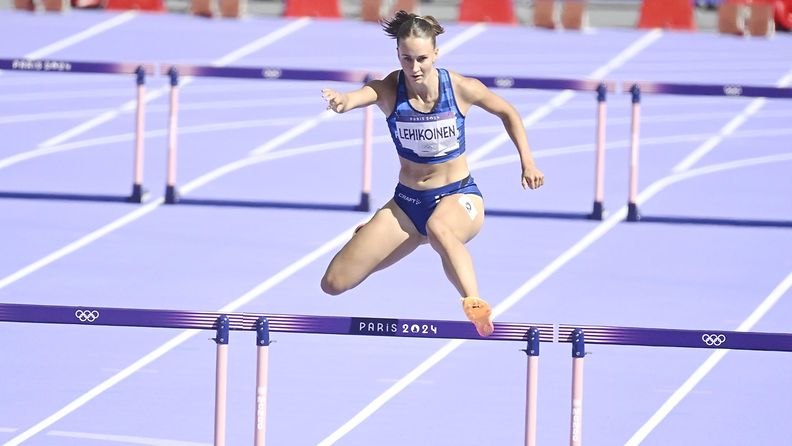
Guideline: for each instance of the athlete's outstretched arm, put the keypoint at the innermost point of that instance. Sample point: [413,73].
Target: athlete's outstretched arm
[476,93]
[343,102]
[378,91]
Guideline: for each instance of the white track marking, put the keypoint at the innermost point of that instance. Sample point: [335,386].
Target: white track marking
[125,439]
[601,229]
[184,336]
[729,128]
[562,98]
[83,35]
[707,365]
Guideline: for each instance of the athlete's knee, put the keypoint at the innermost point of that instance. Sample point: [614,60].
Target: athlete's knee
[438,231]
[334,284]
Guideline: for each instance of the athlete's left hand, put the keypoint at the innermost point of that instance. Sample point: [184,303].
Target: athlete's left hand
[532,177]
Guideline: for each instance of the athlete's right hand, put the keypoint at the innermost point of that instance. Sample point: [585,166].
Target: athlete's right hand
[336,101]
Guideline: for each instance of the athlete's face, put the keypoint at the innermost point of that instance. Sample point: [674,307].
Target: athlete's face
[417,56]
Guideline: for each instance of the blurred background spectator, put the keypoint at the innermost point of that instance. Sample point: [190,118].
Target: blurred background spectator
[733,17]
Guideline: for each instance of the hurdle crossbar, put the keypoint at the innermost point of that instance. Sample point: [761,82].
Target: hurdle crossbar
[140,71]
[262,324]
[731,90]
[394,327]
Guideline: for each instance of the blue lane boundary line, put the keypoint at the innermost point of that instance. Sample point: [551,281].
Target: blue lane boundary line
[394,327]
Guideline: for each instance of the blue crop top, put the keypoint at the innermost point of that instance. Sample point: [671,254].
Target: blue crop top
[428,138]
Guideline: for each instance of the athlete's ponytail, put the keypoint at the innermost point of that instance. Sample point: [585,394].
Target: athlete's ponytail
[405,24]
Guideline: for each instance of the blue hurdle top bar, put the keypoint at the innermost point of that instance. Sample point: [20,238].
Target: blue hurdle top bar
[284,323]
[737,90]
[269,73]
[63,66]
[364,76]
[412,328]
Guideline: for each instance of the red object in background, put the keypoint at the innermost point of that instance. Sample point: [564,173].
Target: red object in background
[312,8]
[141,5]
[493,11]
[672,14]
[783,15]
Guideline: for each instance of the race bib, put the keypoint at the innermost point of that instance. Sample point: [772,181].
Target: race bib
[428,135]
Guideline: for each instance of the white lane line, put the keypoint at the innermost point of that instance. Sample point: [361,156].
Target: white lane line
[707,365]
[184,336]
[149,207]
[83,35]
[589,239]
[278,102]
[283,138]
[529,285]
[562,98]
[504,159]
[728,129]
[150,96]
[123,137]
[581,245]
[174,342]
[125,439]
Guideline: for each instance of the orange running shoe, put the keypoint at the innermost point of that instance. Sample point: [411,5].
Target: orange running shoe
[479,312]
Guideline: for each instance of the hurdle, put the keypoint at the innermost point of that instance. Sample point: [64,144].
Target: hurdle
[174,71]
[140,71]
[637,88]
[601,88]
[263,324]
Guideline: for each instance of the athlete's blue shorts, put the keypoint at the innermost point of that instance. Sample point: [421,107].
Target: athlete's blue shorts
[419,204]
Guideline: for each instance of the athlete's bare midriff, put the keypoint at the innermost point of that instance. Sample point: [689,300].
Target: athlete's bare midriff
[431,176]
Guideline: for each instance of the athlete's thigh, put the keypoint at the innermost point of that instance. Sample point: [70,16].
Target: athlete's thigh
[463,214]
[386,238]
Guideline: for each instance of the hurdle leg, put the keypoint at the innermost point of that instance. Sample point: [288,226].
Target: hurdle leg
[599,169]
[365,192]
[262,360]
[138,194]
[531,386]
[171,194]
[576,414]
[221,380]
[632,207]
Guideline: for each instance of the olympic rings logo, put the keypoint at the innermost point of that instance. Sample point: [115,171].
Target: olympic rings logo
[271,73]
[713,340]
[86,315]
[504,82]
[732,90]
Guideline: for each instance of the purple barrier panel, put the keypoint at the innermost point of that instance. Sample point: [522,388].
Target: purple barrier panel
[544,83]
[663,337]
[284,323]
[62,66]
[747,91]
[270,73]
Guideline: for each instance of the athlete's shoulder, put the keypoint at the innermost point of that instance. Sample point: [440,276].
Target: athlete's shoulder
[391,80]
[386,84]
[469,87]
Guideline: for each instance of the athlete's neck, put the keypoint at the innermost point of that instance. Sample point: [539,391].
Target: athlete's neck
[427,90]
